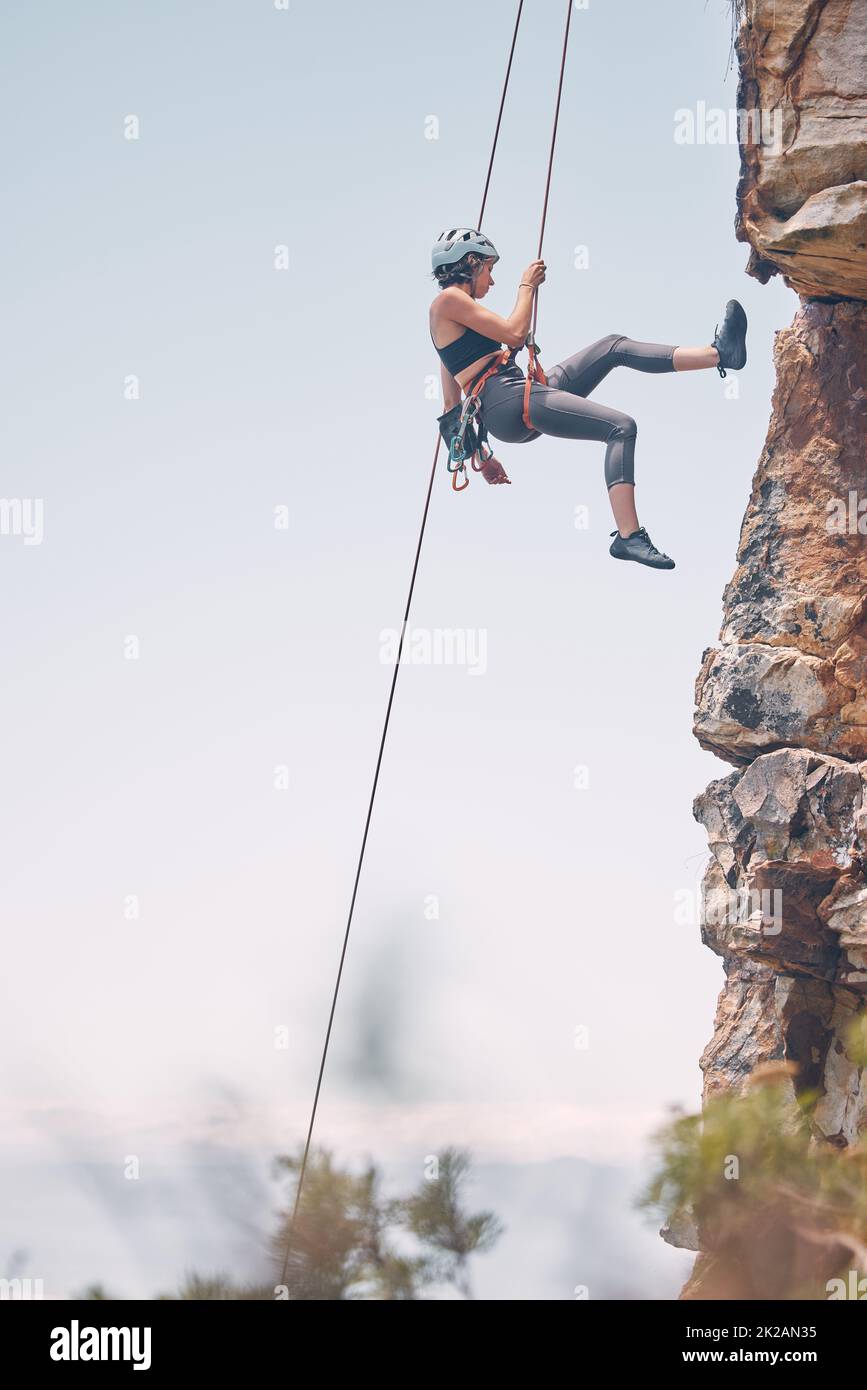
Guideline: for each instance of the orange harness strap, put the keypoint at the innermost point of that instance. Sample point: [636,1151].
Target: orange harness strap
[489,372]
[534,373]
[473,394]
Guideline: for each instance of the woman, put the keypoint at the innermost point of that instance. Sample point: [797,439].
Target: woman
[468,338]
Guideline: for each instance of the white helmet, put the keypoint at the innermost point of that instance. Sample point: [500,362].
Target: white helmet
[451,246]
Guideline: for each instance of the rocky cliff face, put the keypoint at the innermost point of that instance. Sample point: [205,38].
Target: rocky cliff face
[783,697]
[802,103]
[791,670]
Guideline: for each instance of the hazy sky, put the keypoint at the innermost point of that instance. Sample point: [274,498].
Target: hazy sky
[193,696]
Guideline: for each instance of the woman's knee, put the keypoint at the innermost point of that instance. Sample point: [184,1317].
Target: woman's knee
[623,427]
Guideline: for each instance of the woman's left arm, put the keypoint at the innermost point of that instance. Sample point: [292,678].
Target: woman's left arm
[451,389]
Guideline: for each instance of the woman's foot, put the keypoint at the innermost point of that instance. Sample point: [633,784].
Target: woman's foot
[639,547]
[730,341]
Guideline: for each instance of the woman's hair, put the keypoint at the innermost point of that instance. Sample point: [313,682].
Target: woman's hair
[460,272]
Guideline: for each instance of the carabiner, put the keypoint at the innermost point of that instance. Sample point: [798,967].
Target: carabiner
[456,486]
[484,453]
[457,454]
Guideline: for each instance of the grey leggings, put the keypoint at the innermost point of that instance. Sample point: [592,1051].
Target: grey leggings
[561,408]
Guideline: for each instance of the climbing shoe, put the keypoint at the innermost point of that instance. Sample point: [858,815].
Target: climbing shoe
[639,547]
[730,341]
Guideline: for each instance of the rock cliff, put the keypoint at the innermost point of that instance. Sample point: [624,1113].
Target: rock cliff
[802,113]
[783,696]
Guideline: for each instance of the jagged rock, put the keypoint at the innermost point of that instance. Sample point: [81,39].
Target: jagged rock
[746,1029]
[680,1230]
[844,911]
[802,194]
[784,695]
[753,699]
[784,835]
[764,1017]
[840,1112]
[810,244]
[793,667]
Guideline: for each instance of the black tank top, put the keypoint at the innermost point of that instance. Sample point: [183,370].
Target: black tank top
[465,350]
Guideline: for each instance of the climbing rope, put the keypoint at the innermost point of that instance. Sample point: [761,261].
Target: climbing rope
[535,371]
[405,623]
[551,155]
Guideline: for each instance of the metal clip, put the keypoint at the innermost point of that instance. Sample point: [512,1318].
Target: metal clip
[484,454]
[457,454]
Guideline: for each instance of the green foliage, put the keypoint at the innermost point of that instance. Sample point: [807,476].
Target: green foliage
[340,1247]
[351,1242]
[434,1215]
[761,1134]
[774,1203]
[347,1238]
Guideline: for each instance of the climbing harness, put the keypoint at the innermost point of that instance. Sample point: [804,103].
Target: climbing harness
[474,392]
[472,417]
[471,424]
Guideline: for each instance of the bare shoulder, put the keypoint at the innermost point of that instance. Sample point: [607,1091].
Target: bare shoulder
[444,300]
[452,305]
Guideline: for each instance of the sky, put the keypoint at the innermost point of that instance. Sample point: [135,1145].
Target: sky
[220,406]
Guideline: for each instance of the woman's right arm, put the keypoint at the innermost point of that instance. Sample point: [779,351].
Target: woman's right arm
[513,330]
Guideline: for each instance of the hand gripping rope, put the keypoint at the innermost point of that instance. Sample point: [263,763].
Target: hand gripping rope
[534,373]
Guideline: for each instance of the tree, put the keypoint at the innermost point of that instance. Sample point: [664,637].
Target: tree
[780,1213]
[434,1215]
[346,1244]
